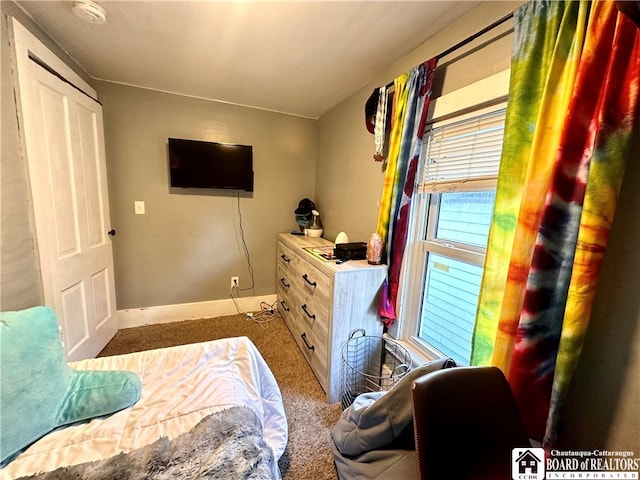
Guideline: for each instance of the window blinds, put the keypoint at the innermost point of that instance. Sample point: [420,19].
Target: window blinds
[464,151]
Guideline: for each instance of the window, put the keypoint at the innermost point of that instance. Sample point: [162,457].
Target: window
[454,270]
[452,211]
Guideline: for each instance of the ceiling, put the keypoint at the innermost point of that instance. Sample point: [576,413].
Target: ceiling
[296,57]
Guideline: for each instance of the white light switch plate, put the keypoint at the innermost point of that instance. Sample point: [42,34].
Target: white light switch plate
[139,207]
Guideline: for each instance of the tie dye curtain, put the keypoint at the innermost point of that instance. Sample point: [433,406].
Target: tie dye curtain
[411,103]
[572,105]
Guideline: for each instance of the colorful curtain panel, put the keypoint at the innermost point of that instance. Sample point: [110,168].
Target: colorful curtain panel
[573,102]
[411,103]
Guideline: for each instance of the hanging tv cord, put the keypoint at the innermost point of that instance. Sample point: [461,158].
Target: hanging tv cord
[267,311]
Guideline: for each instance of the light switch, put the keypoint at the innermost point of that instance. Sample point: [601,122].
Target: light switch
[139,207]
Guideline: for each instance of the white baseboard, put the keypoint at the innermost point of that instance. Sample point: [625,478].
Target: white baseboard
[136,317]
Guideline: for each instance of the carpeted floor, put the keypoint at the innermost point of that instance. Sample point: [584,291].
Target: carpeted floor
[310,417]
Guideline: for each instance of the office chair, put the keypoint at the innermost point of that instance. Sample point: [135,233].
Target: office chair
[466,423]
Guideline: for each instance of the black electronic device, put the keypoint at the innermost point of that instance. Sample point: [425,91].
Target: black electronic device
[351,251]
[199,164]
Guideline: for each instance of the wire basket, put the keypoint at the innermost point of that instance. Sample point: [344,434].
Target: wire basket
[371,364]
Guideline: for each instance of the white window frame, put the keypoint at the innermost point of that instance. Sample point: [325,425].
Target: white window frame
[460,104]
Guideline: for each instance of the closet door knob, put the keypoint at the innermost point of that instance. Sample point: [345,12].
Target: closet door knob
[112,232]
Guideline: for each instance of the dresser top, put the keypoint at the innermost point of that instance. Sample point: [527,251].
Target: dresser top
[300,242]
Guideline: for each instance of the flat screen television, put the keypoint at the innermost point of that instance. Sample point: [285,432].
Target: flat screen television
[198,164]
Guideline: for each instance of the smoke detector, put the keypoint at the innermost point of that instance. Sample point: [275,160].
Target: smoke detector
[89,11]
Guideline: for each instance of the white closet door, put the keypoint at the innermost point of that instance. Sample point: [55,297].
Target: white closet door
[64,140]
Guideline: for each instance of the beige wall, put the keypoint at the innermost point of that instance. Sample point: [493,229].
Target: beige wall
[188,244]
[603,405]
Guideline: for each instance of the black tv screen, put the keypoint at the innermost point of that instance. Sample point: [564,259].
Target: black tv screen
[198,164]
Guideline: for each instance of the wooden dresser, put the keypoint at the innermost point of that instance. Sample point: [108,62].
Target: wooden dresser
[322,302]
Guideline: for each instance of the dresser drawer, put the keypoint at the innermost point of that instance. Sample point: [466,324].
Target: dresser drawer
[287,258]
[309,300]
[285,308]
[310,282]
[313,345]
[309,331]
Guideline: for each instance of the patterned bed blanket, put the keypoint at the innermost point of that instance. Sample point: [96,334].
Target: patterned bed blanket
[226,444]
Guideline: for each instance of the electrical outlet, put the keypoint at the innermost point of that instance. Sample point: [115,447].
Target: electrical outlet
[235,282]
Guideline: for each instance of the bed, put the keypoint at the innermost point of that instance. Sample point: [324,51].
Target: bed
[181,387]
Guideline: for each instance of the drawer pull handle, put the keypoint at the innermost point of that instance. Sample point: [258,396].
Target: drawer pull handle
[306,279]
[284,282]
[284,305]
[304,307]
[285,258]
[304,339]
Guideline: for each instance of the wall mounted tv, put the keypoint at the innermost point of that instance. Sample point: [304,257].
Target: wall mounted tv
[198,164]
